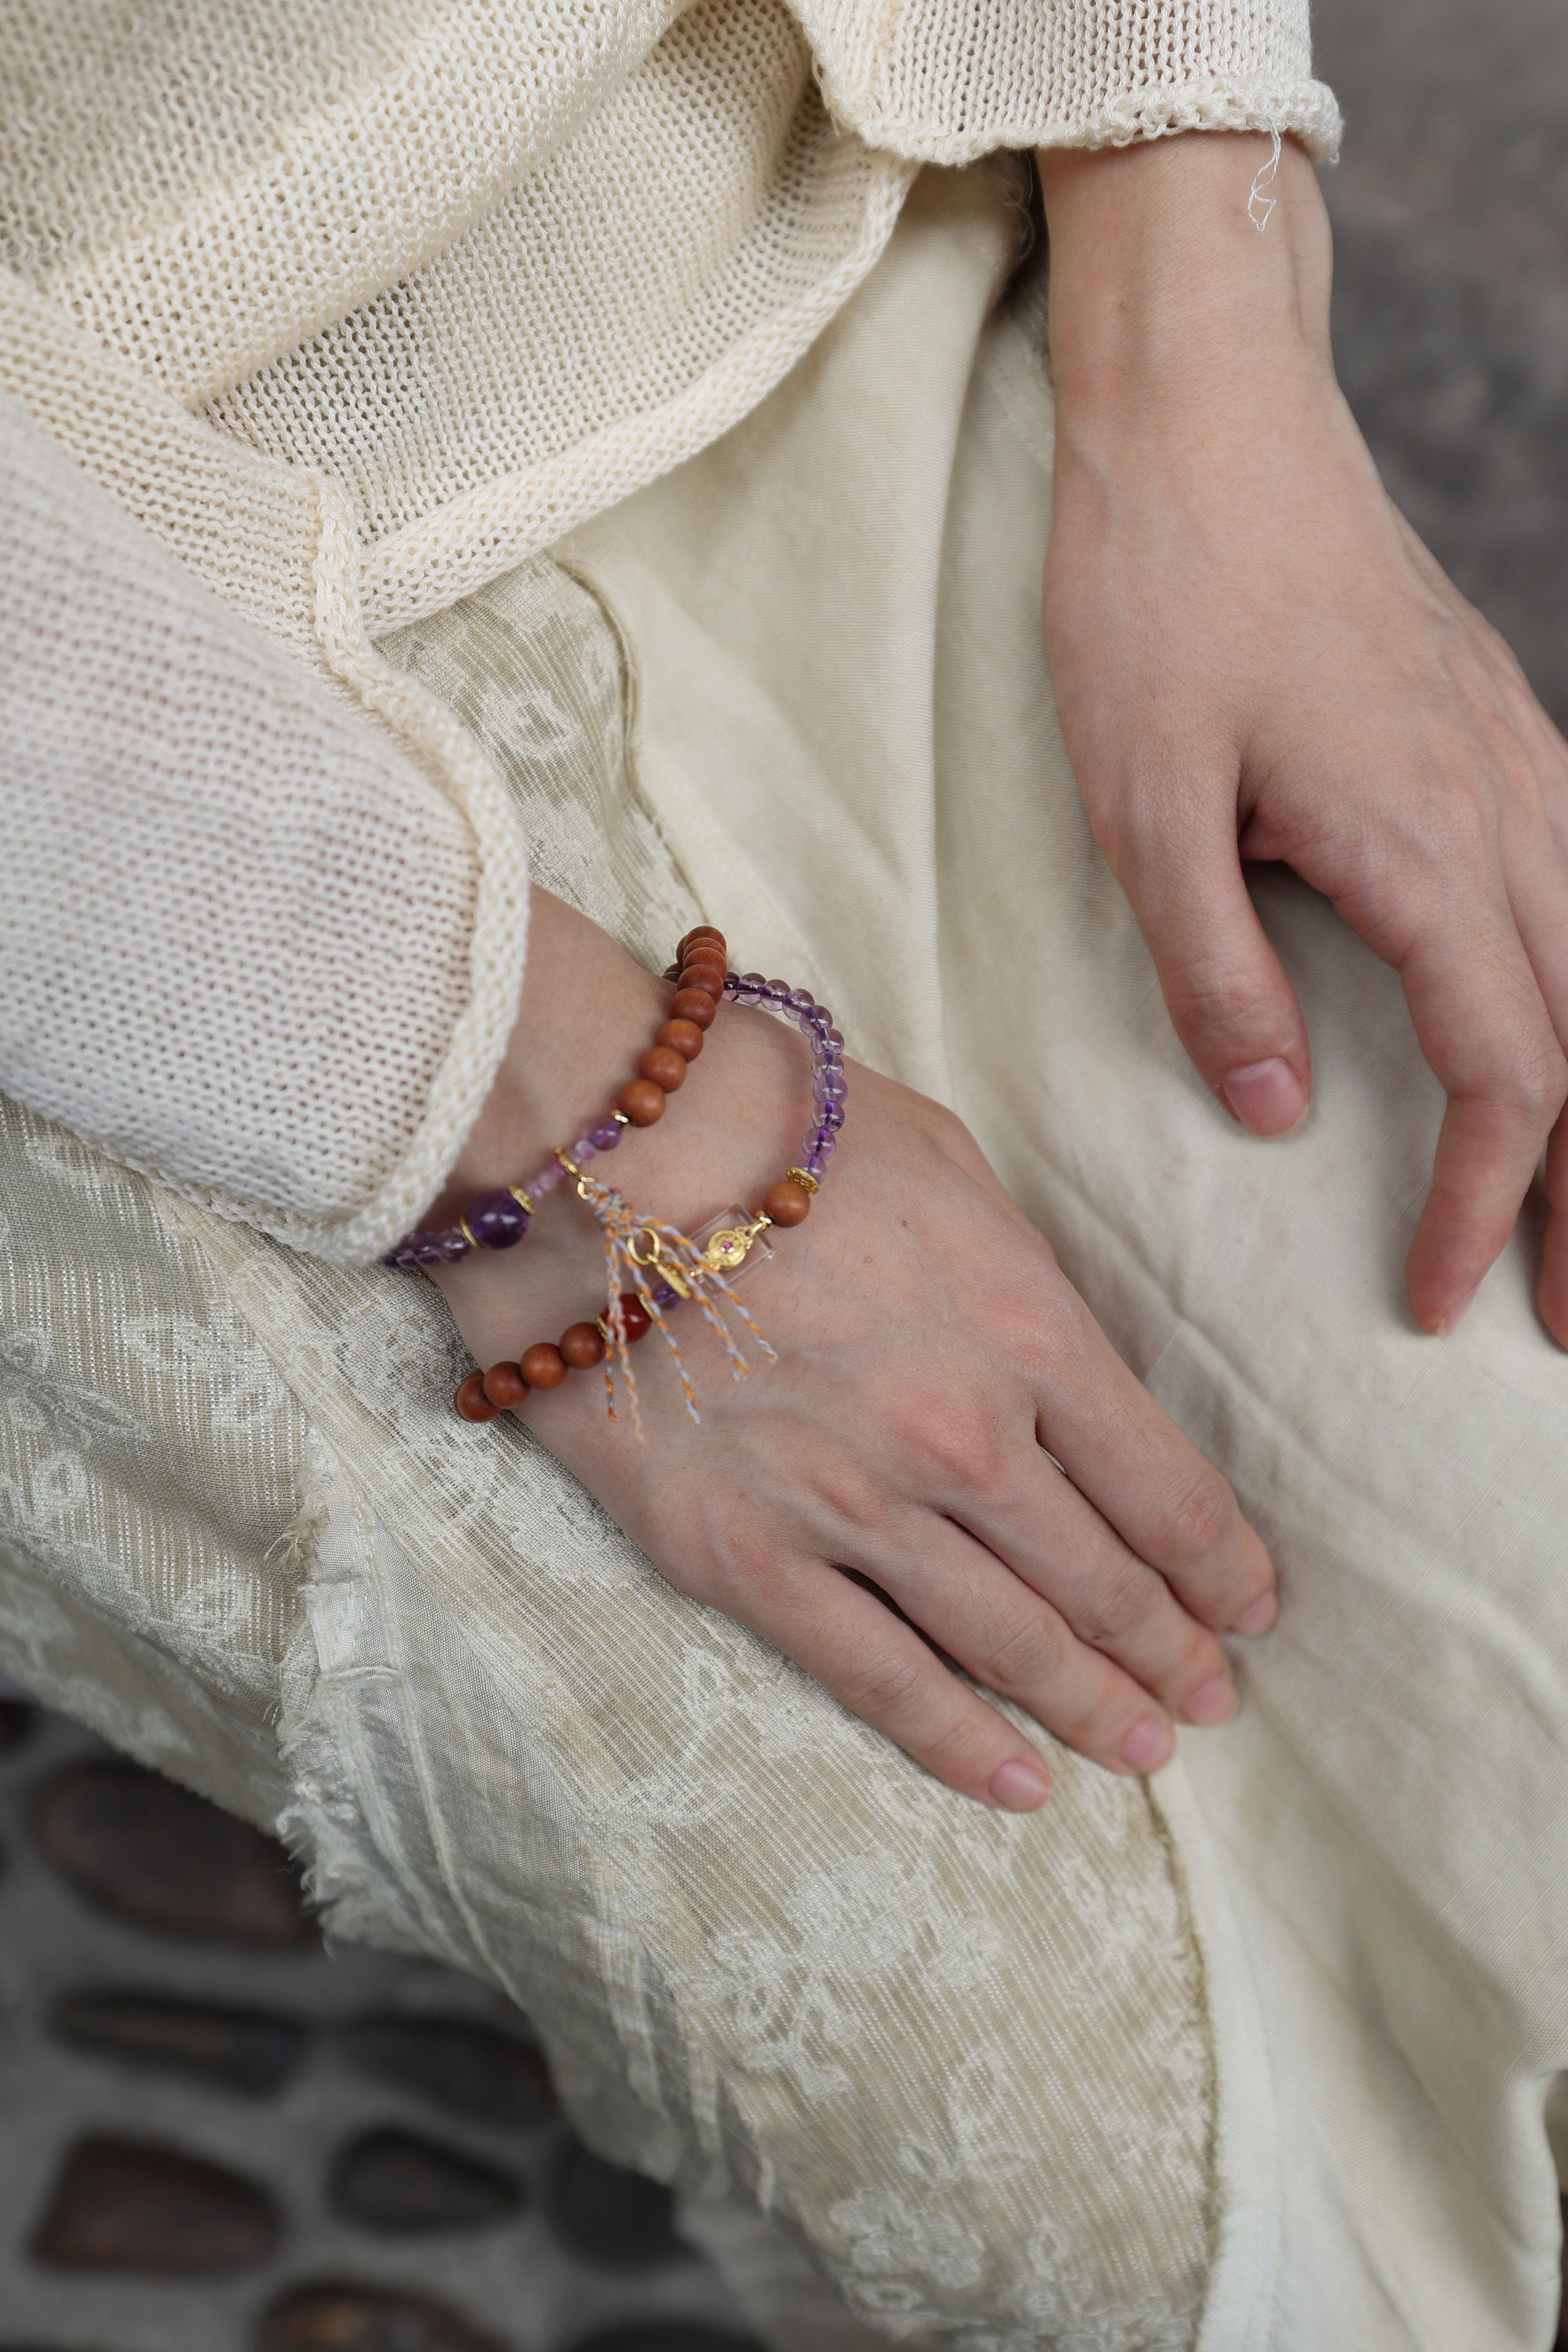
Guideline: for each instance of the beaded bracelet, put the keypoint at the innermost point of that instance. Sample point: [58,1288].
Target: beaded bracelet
[497,1220]
[686,1268]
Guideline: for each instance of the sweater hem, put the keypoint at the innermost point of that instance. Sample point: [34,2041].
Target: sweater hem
[1307,110]
[457,548]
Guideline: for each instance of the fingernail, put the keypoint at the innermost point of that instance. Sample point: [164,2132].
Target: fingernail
[1457,1312]
[1148,1745]
[1268,1098]
[1020,1787]
[1259,1618]
[1211,1702]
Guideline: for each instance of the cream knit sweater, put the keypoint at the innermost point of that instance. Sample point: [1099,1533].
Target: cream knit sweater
[312,320]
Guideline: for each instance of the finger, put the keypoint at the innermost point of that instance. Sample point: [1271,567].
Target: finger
[1551,1293]
[1224,986]
[1538,893]
[1053,1538]
[1014,1643]
[1484,1027]
[1146,1478]
[882,1670]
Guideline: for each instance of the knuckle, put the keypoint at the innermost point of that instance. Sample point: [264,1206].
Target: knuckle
[1115,1606]
[962,1446]
[886,1685]
[1198,1517]
[1024,1653]
[1542,1083]
[741,1560]
[1218,992]
[853,1498]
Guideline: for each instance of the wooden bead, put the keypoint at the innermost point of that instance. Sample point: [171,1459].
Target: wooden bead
[684,1035]
[702,934]
[581,1346]
[543,1366]
[471,1401]
[698,956]
[786,1204]
[693,1005]
[665,1066]
[708,977]
[642,1101]
[639,1321]
[505,1386]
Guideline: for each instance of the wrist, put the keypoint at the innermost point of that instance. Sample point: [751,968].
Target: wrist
[1165,300]
[587,1010]
[586,1015]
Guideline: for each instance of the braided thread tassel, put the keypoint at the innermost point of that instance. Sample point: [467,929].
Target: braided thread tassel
[623,1228]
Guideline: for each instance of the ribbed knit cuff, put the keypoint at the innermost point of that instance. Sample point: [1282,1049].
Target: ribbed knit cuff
[945,81]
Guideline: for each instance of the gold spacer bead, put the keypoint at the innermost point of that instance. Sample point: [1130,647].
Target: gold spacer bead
[570,1165]
[604,1330]
[798,1176]
[522,1198]
[463,1228]
[620,1118]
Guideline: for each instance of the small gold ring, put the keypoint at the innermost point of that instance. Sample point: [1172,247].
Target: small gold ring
[467,1230]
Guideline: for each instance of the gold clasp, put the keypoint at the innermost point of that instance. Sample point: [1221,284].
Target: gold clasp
[730,1246]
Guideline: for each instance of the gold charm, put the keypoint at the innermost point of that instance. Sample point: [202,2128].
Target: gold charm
[731,1245]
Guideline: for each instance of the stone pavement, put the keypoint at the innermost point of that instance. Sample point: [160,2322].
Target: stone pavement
[218,2136]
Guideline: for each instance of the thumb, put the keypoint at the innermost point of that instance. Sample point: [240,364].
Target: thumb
[1232,1006]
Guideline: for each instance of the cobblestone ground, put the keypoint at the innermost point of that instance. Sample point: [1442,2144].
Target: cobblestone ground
[216,2137]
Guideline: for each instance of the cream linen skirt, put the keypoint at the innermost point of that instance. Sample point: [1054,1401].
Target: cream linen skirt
[1260,2055]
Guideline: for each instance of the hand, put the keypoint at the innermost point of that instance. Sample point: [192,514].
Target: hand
[1255,657]
[929,1350]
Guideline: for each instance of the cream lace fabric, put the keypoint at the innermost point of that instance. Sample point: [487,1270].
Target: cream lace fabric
[771,1960]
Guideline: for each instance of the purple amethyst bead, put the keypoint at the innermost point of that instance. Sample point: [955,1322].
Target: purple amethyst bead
[751,987]
[820,1019]
[835,1037]
[832,1085]
[604,1134]
[583,1149]
[818,1162]
[428,1249]
[665,1298]
[732,985]
[496,1221]
[799,999]
[775,993]
[832,1117]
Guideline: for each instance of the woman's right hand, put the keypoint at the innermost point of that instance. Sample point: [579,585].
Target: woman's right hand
[932,1359]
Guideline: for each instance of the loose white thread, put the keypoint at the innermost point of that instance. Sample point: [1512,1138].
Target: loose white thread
[1259,204]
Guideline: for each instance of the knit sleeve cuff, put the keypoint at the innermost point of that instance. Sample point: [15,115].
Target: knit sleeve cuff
[945,81]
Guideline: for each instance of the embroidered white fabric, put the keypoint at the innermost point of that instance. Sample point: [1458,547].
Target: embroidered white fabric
[770,1958]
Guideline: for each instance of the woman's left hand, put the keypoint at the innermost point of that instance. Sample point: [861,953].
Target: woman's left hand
[1255,657]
